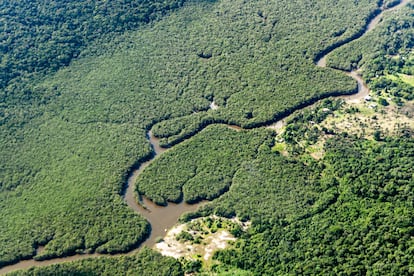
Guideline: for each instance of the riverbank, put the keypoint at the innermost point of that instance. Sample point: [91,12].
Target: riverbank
[160,228]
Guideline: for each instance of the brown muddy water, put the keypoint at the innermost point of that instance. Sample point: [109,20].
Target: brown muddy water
[163,218]
[363,90]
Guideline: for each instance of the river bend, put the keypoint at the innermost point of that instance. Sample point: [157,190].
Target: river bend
[163,218]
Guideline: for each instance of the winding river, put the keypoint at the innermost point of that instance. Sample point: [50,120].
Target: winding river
[163,218]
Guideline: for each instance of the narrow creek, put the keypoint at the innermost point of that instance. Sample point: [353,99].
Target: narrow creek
[163,218]
[363,89]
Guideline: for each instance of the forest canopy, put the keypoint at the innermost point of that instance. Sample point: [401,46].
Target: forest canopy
[82,83]
[39,37]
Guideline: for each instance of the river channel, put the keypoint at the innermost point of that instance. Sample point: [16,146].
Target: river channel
[163,218]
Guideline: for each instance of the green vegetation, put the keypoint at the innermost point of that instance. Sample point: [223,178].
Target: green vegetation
[349,213]
[176,130]
[75,108]
[255,79]
[409,79]
[200,168]
[302,128]
[270,188]
[385,55]
[39,37]
[391,36]
[66,143]
[146,262]
[184,236]
[54,190]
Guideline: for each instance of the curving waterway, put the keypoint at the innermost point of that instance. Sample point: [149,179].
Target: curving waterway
[163,218]
[363,89]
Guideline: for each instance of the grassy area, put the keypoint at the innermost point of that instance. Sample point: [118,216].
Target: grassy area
[68,139]
[407,79]
[319,217]
[279,147]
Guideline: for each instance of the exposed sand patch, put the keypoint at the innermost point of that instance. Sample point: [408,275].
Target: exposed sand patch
[170,246]
[388,120]
[204,236]
[278,126]
[214,106]
[219,240]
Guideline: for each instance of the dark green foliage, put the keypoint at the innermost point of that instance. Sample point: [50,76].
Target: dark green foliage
[384,51]
[272,190]
[355,215]
[184,236]
[395,33]
[178,129]
[145,263]
[256,83]
[64,160]
[395,87]
[380,171]
[200,168]
[382,101]
[69,198]
[377,135]
[69,139]
[42,36]
[192,266]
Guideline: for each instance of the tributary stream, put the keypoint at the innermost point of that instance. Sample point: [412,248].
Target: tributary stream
[163,218]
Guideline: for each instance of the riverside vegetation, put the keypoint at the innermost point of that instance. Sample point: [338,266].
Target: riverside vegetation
[386,57]
[69,139]
[146,262]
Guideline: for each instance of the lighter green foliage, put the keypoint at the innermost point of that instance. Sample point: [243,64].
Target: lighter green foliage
[67,140]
